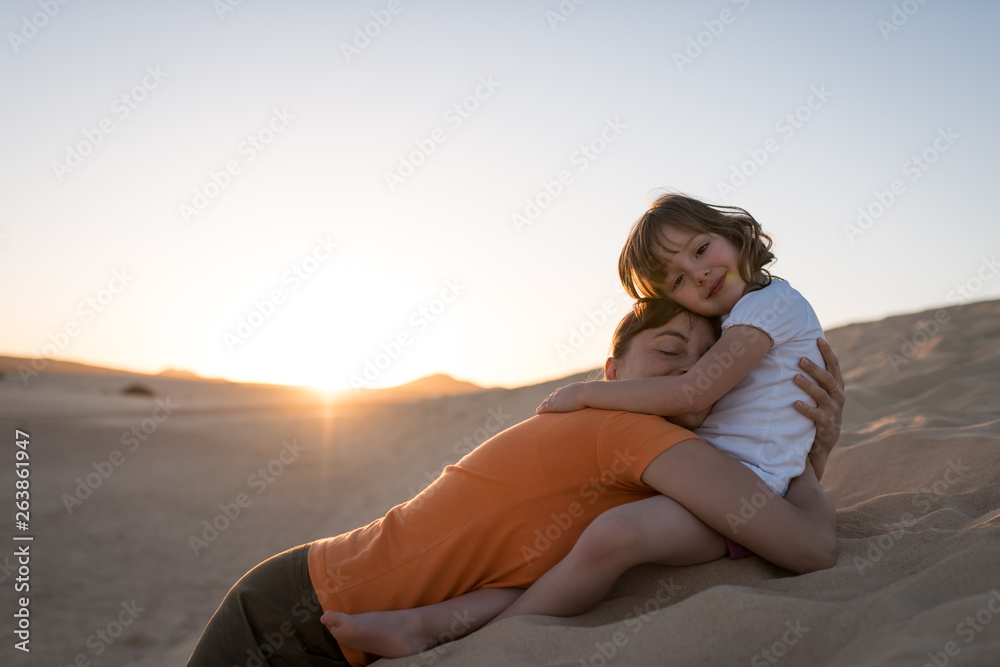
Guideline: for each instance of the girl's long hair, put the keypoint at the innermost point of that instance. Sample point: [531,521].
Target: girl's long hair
[641,267]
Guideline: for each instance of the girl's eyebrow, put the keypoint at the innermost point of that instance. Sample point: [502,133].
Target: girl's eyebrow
[663,259]
[693,240]
[667,251]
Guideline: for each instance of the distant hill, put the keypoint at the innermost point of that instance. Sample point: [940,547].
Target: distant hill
[432,386]
[10,365]
[179,374]
[441,384]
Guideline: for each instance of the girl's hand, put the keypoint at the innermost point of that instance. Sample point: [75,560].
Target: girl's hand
[564,399]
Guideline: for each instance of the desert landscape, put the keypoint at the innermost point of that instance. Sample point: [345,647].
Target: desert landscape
[138,533]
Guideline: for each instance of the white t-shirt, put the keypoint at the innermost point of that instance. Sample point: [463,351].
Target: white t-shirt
[756,422]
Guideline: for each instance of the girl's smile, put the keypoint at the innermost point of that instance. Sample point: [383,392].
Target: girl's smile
[717,286]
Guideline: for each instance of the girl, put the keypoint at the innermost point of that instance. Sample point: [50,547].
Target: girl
[711,261]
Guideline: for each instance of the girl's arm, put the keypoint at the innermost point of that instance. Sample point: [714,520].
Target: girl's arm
[730,360]
[692,420]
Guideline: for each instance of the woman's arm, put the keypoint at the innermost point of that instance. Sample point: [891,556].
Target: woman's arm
[730,498]
[727,362]
[828,413]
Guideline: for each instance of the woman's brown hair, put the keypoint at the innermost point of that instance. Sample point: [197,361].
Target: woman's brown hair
[640,265]
[648,313]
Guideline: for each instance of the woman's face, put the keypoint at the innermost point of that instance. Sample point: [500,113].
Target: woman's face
[668,350]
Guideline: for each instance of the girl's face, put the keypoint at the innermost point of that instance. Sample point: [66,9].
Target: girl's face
[702,271]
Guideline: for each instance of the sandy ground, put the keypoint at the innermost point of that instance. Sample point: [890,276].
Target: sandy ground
[115,579]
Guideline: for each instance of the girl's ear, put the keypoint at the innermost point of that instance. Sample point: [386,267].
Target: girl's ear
[611,369]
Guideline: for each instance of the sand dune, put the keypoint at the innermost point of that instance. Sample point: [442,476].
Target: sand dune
[915,479]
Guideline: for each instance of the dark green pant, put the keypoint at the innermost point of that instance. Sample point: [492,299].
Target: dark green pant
[270,617]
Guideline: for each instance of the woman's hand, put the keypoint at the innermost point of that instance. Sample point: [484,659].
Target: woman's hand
[564,399]
[828,392]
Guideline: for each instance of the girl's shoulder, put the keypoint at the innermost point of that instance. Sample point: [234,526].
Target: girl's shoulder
[778,309]
[775,294]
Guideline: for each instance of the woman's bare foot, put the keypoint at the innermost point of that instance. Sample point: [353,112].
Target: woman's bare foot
[390,634]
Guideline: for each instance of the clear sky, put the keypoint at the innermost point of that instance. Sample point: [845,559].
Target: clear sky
[285,191]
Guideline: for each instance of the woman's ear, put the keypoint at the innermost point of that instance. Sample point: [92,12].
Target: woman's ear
[611,369]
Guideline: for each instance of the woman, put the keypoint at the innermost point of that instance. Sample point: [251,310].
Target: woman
[514,507]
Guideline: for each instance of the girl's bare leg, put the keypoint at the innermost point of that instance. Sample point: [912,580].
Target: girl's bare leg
[798,532]
[398,634]
[654,530]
